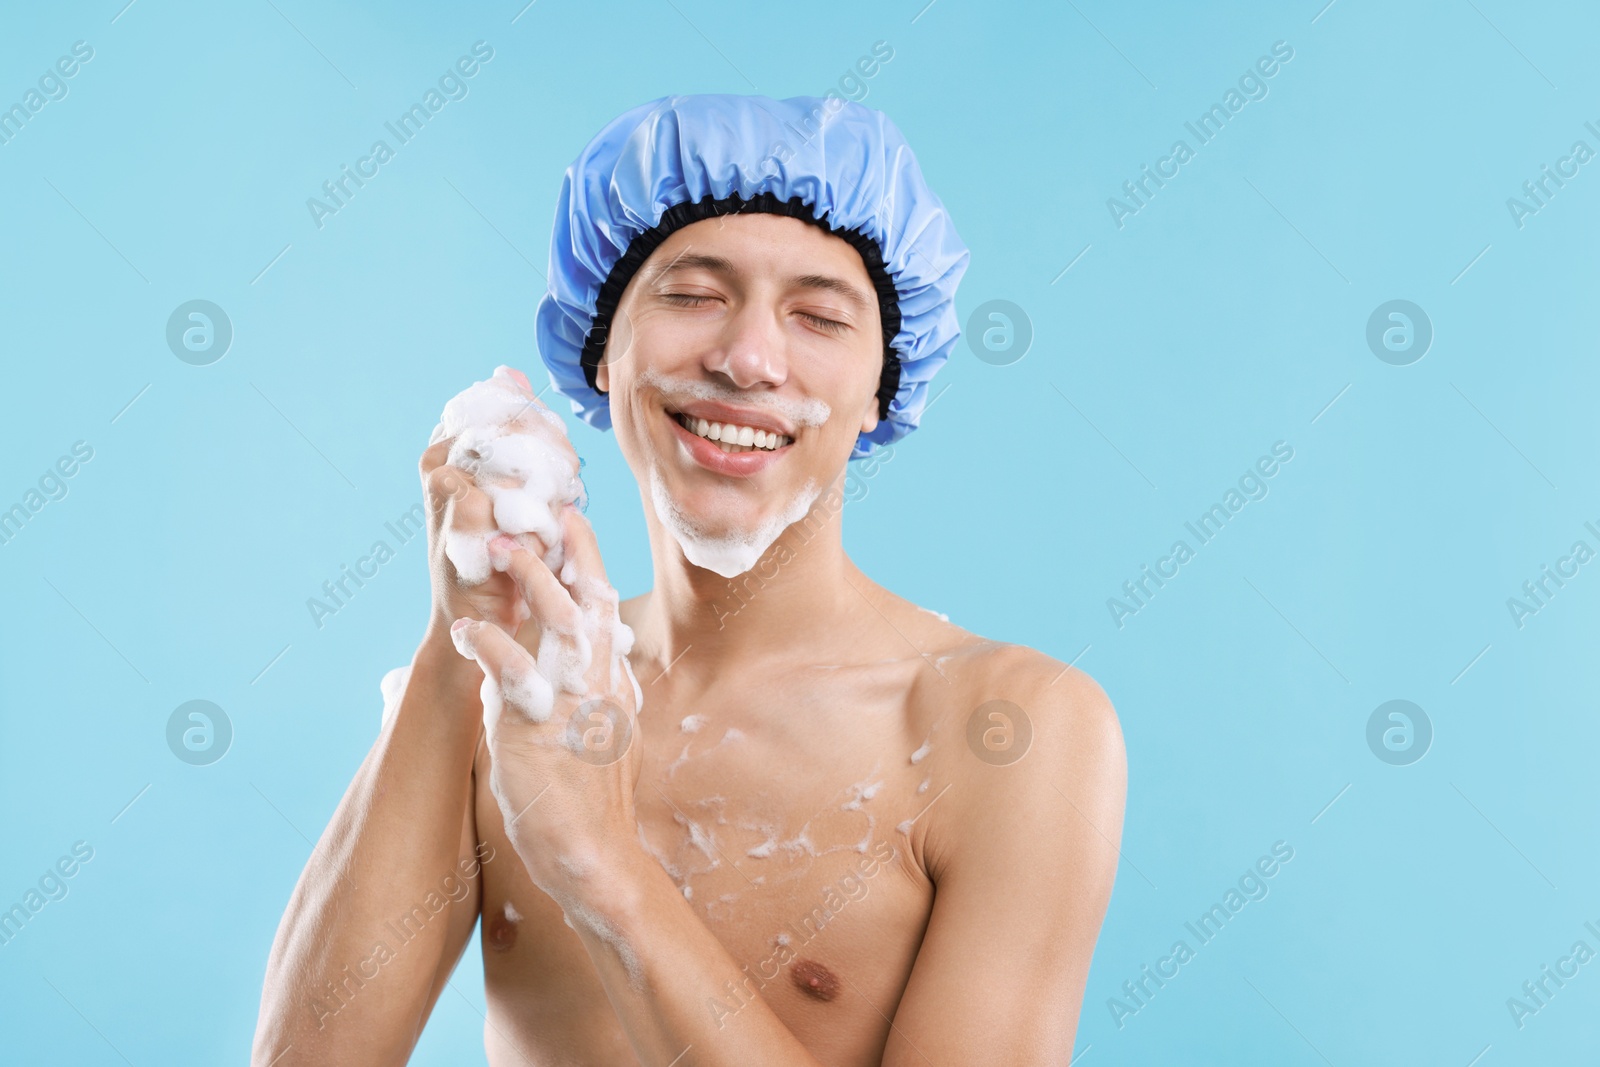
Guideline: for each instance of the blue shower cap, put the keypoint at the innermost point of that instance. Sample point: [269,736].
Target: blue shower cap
[680,159]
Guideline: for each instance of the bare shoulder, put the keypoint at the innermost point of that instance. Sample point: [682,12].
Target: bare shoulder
[1024,733]
[1066,711]
[1023,706]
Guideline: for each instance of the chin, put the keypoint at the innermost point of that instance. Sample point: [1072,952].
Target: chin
[717,527]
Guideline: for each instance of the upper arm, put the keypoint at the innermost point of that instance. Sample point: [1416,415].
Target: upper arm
[1023,863]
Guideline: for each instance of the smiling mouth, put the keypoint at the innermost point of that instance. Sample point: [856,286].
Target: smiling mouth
[732,437]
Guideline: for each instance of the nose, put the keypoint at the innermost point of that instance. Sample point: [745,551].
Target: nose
[750,348]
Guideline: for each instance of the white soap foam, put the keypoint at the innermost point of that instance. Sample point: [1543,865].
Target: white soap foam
[704,840]
[683,757]
[922,753]
[923,788]
[733,552]
[517,452]
[692,723]
[393,687]
[512,914]
[574,868]
[528,691]
[763,850]
[677,392]
[599,927]
[861,792]
[638,694]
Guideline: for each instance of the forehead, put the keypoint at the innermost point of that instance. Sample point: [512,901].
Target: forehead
[758,244]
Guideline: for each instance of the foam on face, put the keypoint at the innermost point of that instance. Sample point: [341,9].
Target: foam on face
[677,392]
[732,553]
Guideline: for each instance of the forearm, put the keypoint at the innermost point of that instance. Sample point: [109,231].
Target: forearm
[393,840]
[670,981]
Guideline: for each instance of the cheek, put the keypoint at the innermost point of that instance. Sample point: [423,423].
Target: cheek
[660,340]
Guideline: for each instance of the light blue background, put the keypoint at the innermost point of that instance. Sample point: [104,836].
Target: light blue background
[1225,316]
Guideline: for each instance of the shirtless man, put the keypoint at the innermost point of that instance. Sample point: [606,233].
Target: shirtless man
[838,829]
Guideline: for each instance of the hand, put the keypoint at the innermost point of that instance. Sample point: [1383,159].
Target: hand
[560,726]
[461,512]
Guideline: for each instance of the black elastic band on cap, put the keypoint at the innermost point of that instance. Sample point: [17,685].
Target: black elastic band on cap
[680,215]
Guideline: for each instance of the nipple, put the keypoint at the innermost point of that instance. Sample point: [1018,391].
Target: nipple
[814,980]
[501,931]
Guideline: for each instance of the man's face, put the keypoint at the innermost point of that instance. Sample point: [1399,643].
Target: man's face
[755,321]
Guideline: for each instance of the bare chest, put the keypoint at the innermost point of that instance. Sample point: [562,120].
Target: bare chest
[789,840]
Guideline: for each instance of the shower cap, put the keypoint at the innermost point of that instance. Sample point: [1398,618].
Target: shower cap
[826,160]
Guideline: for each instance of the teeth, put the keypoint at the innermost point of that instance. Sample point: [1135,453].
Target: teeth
[731,437]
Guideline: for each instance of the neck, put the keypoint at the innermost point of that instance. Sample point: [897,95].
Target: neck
[792,598]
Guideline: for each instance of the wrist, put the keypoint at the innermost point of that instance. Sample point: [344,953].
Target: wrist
[438,665]
[610,879]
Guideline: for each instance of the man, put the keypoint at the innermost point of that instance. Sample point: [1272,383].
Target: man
[837,828]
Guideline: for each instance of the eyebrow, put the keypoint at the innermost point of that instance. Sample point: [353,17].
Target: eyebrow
[696,261]
[837,286]
[719,265]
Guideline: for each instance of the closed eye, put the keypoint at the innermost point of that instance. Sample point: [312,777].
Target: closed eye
[831,325]
[685,299]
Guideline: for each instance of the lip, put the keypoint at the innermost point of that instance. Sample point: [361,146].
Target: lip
[754,418]
[712,458]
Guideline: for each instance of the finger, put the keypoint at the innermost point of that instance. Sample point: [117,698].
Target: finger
[516,378]
[435,454]
[548,601]
[467,524]
[446,484]
[512,683]
[584,576]
[558,636]
[584,573]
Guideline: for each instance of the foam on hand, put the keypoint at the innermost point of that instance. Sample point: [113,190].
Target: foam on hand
[517,451]
[518,454]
